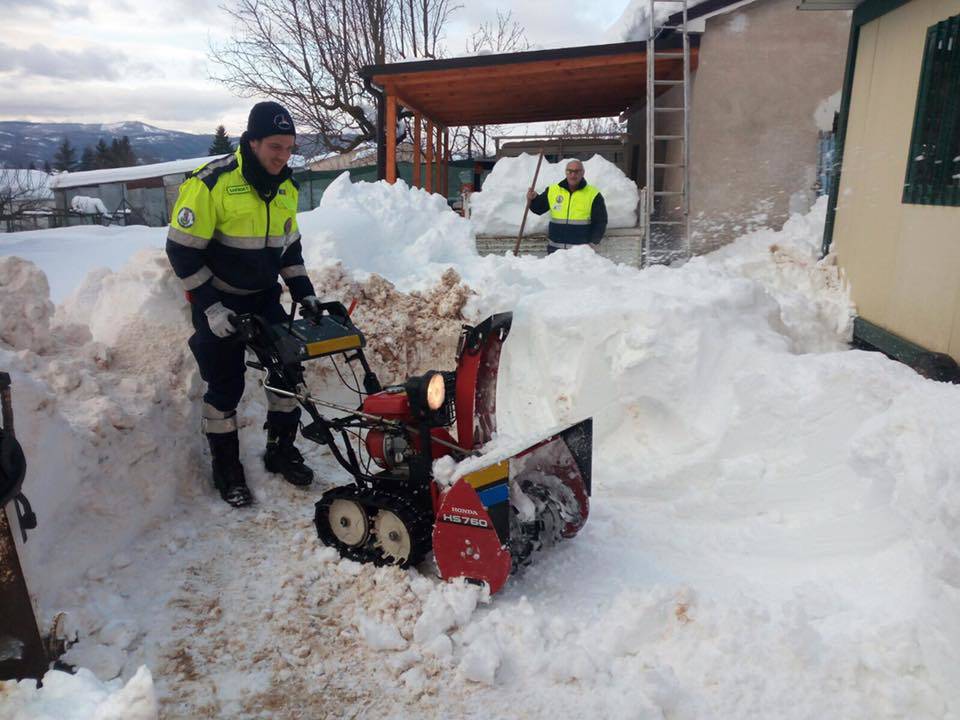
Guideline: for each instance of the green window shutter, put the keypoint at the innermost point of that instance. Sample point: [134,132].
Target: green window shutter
[933,166]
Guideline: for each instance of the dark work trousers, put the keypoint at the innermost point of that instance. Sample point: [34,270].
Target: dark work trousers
[222,361]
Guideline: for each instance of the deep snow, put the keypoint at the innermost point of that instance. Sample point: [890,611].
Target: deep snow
[773,531]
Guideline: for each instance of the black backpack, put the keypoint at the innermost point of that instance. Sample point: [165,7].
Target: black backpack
[13,464]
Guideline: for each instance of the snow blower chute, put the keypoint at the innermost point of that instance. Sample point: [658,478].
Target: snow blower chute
[499,510]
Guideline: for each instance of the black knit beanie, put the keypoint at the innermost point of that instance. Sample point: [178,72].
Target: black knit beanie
[269,118]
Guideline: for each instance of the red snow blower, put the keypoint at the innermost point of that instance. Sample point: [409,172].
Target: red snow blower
[499,510]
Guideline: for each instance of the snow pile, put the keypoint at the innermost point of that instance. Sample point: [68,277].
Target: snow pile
[87,205]
[404,234]
[116,414]
[25,322]
[498,209]
[81,697]
[810,293]
[407,333]
[145,299]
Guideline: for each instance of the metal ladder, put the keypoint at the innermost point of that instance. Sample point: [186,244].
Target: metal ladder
[654,218]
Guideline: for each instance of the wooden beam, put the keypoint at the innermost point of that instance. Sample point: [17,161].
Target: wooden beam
[391,128]
[529,116]
[509,102]
[540,67]
[416,150]
[446,162]
[438,154]
[413,92]
[429,168]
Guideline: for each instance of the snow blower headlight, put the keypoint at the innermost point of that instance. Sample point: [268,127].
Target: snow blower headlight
[427,392]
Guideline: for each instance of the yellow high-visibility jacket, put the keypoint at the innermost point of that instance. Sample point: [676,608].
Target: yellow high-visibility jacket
[577,216]
[226,239]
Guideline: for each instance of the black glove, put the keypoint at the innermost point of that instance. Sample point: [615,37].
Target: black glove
[311,307]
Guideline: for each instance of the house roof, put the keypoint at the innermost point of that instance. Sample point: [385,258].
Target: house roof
[561,84]
[125,174]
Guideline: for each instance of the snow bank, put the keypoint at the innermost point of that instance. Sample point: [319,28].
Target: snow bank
[404,234]
[25,323]
[498,209]
[115,407]
[80,697]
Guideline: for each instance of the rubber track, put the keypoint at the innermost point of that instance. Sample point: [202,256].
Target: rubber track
[418,523]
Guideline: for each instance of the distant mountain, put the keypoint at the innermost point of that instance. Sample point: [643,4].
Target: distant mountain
[24,142]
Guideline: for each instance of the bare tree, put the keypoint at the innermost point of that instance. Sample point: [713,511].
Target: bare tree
[418,30]
[21,192]
[306,54]
[507,35]
[586,126]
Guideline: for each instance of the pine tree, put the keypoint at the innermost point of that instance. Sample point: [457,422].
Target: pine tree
[221,142]
[32,165]
[102,158]
[66,157]
[46,167]
[88,160]
[116,154]
[126,154]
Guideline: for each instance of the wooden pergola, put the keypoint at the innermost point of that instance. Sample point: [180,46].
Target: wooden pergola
[543,85]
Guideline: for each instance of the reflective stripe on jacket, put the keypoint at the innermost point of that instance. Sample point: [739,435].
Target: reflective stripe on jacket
[225,238]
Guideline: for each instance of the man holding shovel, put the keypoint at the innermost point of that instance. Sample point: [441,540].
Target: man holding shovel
[578,214]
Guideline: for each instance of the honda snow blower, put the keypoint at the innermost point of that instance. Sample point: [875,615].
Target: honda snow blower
[486,524]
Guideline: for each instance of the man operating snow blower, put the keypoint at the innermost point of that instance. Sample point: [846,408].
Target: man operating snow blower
[234,229]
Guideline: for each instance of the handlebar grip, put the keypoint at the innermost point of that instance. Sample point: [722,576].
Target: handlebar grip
[333,308]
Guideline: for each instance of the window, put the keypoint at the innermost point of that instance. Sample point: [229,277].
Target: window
[933,168]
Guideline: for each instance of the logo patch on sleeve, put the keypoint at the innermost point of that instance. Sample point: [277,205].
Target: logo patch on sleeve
[186,217]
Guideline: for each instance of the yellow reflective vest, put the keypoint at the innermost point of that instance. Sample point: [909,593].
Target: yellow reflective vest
[571,208]
[576,217]
[226,239]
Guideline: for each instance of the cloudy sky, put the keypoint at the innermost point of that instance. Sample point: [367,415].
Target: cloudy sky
[150,60]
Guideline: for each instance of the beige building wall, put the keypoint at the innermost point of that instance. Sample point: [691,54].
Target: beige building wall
[902,260]
[764,71]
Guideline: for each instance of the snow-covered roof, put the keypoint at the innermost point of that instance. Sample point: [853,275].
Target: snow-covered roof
[124,174]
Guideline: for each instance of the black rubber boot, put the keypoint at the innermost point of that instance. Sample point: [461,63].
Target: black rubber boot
[282,456]
[228,475]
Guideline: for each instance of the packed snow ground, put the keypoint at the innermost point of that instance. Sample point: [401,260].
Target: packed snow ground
[774,522]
